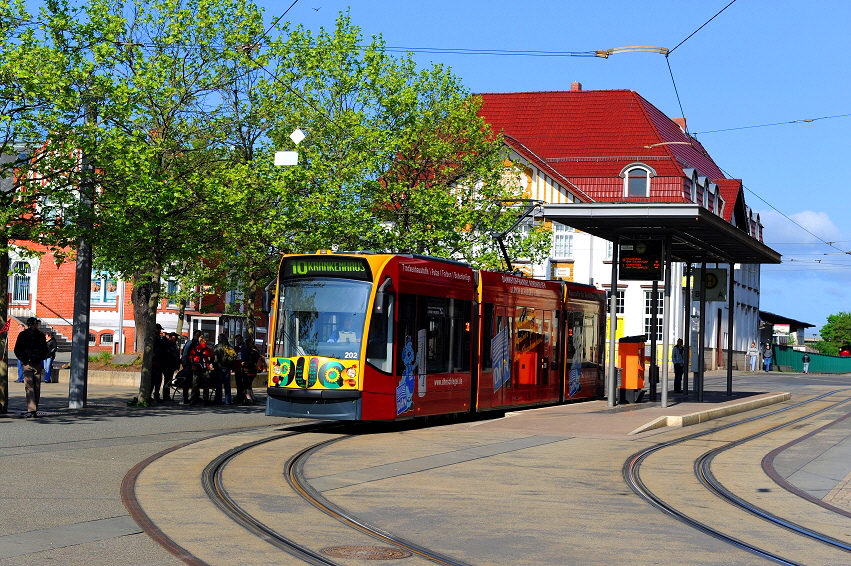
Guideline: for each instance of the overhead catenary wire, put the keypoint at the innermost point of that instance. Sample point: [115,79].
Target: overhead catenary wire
[701,27]
[801,121]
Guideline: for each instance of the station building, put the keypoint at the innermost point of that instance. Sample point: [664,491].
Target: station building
[582,146]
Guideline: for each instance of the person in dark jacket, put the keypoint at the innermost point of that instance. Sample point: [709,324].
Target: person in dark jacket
[31,349]
[52,347]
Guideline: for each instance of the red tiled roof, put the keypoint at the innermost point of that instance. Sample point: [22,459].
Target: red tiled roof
[592,135]
[729,189]
[530,155]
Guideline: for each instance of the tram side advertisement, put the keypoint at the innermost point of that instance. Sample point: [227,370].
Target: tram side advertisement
[450,280]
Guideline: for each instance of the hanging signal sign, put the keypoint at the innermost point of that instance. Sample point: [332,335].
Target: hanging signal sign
[640,260]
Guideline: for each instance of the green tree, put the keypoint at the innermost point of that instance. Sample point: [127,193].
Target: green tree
[397,158]
[837,331]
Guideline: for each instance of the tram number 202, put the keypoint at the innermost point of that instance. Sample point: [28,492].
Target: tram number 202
[350,355]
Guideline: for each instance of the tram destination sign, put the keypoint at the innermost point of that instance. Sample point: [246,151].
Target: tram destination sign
[640,260]
[326,266]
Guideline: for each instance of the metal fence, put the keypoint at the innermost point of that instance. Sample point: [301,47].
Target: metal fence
[819,363]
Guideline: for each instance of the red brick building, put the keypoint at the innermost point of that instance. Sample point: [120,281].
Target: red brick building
[39,287]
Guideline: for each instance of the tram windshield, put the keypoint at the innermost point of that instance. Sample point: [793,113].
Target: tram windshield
[321,317]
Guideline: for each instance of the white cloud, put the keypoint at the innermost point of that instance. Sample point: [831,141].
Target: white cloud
[778,228]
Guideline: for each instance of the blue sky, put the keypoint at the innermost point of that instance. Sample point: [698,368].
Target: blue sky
[756,63]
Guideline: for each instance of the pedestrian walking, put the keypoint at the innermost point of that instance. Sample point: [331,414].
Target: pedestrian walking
[31,350]
[52,347]
[766,357]
[806,360]
[678,358]
[753,354]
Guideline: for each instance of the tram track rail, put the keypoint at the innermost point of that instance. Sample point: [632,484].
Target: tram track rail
[213,484]
[703,473]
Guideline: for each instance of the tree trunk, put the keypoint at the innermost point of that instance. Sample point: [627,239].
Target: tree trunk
[140,297]
[250,308]
[152,282]
[4,337]
[181,315]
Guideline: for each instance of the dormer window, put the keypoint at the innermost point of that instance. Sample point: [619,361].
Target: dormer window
[636,180]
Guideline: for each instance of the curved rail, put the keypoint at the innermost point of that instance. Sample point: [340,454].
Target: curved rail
[708,480]
[294,472]
[631,473]
[211,479]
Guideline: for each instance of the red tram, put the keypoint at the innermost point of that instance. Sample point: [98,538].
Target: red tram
[392,336]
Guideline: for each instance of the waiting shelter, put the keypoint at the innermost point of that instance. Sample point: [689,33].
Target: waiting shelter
[688,233]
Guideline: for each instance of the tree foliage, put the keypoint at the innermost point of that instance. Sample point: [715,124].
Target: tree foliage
[837,332]
[165,115]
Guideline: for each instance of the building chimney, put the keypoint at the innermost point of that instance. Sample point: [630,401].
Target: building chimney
[575,86]
[681,122]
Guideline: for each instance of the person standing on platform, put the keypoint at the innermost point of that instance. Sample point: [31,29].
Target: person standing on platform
[52,347]
[806,360]
[239,369]
[766,357]
[678,357]
[187,364]
[31,349]
[223,358]
[201,357]
[753,354]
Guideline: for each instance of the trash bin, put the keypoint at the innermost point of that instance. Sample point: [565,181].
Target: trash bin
[631,363]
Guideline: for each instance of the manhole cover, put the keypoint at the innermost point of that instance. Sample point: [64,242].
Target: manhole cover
[366,552]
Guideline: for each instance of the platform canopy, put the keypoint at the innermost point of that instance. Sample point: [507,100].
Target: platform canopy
[694,230]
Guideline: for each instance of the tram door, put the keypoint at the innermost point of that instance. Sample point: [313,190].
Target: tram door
[530,360]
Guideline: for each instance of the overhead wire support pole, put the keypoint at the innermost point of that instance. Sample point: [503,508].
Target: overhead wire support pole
[701,332]
[666,322]
[612,381]
[731,313]
[78,382]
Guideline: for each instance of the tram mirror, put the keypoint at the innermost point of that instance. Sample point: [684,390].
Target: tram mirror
[266,303]
[380,299]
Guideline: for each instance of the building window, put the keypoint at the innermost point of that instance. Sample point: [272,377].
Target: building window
[171,289]
[20,282]
[562,241]
[106,339]
[92,339]
[620,302]
[637,182]
[104,289]
[648,298]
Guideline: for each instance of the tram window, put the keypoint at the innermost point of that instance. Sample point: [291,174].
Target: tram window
[487,336]
[379,348]
[433,311]
[461,324]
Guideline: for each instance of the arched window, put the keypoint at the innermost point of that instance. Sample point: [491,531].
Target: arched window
[636,180]
[20,282]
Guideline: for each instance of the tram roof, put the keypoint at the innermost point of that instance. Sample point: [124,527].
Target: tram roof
[694,231]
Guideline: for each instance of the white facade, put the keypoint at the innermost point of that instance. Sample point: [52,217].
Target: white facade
[583,258]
